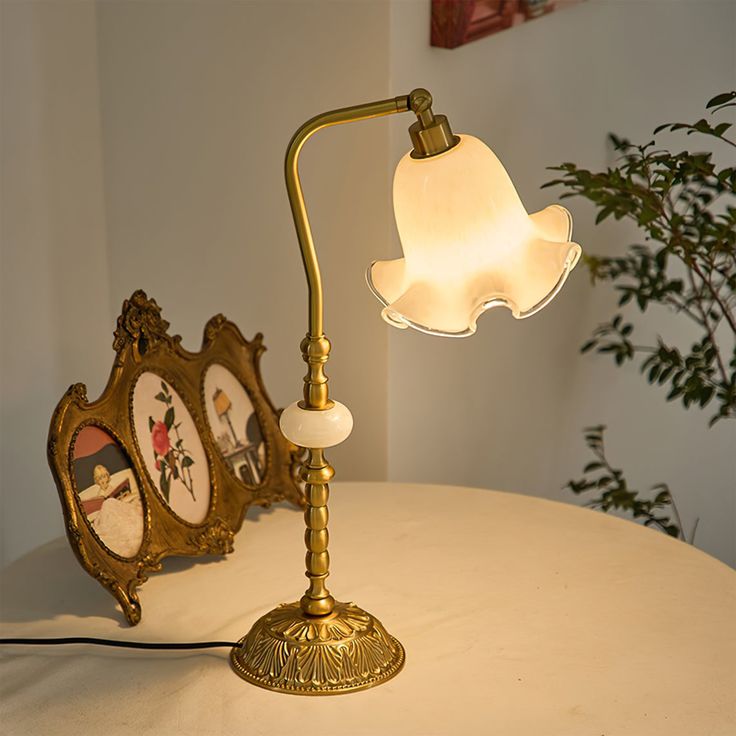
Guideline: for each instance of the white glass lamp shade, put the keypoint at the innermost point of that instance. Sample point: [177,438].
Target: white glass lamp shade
[469,244]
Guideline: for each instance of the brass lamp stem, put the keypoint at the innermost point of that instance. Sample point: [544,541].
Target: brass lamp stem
[430,135]
[315,347]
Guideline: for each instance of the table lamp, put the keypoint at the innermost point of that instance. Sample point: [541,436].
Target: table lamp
[469,245]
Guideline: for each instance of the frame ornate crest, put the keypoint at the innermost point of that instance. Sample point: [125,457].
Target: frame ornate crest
[142,345]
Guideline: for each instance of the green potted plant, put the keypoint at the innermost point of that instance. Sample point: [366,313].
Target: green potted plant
[685,206]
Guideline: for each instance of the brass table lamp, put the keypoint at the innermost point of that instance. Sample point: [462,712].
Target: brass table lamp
[469,245]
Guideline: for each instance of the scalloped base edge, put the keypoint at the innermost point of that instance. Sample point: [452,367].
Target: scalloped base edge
[288,652]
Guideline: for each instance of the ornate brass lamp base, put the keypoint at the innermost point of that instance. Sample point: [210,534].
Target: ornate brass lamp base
[290,652]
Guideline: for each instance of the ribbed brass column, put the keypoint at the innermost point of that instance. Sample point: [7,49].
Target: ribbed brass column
[316,473]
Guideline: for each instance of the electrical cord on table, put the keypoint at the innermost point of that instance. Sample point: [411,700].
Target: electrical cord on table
[120,643]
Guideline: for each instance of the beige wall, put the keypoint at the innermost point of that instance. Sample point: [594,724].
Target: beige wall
[54,286]
[143,147]
[504,408]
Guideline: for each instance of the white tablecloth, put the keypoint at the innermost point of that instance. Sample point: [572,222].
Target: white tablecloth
[519,616]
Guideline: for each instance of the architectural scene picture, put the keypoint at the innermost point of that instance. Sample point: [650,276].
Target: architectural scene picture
[234,425]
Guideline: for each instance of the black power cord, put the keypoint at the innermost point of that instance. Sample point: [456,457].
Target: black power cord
[123,644]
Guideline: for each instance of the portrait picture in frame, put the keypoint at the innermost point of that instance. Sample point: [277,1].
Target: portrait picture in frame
[143,472]
[108,490]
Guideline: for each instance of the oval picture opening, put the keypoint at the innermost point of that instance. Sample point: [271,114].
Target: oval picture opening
[234,425]
[171,448]
[108,491]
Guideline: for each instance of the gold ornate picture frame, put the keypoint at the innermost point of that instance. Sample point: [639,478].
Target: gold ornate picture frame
[171,455]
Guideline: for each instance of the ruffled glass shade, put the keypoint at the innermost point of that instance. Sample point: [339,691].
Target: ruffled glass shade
[469,244]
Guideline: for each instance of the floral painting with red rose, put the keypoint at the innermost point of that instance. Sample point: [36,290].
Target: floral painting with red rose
[170,444]
[173,460]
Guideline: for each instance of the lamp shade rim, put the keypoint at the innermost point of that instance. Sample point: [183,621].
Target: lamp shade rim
[395,316]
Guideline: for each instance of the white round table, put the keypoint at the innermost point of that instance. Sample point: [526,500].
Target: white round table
[518,615]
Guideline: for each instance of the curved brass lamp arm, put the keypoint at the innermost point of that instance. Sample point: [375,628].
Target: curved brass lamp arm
[430,135]
[296,196]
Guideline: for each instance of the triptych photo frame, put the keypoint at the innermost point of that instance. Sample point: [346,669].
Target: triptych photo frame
[168,459]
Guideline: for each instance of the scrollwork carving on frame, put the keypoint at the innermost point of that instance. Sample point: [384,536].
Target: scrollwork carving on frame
[171,455]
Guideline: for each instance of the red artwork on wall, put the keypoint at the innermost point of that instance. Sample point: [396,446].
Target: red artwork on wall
[457,22]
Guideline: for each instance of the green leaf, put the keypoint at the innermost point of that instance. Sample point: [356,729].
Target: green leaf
[603,214]
[187,461]
[721,99]
[721,128]
[674,393]
[160,397]
[169,417]
[664,375]
[150,424]
[647,215]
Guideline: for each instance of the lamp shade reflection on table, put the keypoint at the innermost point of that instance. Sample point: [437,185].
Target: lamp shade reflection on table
[522,616]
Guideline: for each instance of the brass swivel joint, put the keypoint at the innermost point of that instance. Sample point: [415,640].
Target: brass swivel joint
[431,134]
